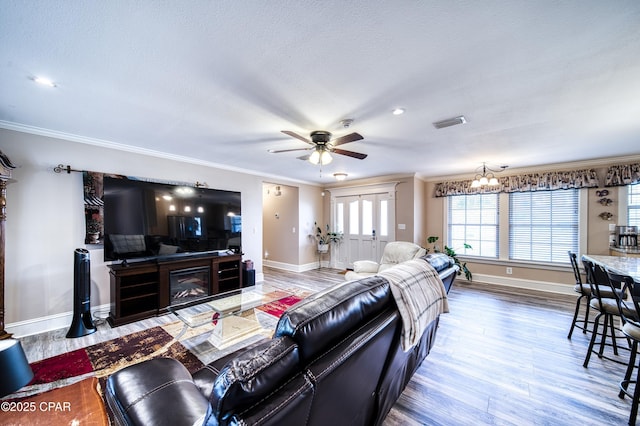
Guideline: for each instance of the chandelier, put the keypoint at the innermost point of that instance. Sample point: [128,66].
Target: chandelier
[485,176]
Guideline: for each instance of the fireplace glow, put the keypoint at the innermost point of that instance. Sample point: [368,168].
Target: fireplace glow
[186,285]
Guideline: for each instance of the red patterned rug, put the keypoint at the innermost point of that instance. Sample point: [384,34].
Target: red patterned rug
[102,359]
[277,307]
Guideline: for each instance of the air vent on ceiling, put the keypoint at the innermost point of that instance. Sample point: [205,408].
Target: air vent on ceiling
[450,122]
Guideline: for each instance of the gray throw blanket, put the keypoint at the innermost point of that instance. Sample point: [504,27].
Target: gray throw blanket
[420,296]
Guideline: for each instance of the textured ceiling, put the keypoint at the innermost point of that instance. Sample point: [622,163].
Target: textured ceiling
[539,81]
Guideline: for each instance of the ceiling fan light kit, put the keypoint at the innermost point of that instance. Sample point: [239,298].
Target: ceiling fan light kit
[320,156]
[450,122]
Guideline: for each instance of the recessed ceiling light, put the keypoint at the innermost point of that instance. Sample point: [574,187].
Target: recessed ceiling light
[398,111]
[44,81]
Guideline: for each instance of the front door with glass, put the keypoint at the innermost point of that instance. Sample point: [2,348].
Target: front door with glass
[367,222]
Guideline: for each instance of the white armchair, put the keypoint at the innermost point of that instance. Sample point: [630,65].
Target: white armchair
[394,252]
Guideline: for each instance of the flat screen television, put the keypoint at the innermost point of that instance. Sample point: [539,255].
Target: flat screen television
[144,220]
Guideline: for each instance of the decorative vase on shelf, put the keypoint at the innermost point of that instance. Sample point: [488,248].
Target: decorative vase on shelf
[93,237]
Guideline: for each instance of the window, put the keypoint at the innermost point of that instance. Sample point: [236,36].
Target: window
[473,220]
[384,218]
[339,218]
[633,205]
[367,217]
[354,224]
[543,225]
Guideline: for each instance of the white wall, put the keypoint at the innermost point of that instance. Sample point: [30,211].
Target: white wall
[45,221]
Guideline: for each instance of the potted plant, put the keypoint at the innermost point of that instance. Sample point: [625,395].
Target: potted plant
[94,227]
[324,238]
[452,254]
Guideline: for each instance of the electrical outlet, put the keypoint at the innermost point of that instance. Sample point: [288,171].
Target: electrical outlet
[509,271]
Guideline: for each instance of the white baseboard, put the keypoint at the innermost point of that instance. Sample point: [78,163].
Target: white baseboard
[48,323]
[549,287]
[293,268]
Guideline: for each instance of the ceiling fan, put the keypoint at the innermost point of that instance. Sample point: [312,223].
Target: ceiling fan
[323,146]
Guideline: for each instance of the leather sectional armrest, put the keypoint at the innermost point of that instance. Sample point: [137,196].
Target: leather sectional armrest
[205,377]
[253,375]
[159,391]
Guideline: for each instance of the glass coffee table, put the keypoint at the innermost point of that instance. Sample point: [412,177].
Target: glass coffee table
[231,314]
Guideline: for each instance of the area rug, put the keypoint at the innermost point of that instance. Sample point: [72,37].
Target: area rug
[277,308]
[102,359]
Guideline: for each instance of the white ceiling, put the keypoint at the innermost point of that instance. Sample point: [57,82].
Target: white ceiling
[539,81]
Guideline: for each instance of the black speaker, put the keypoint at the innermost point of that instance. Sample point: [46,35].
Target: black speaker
[82,323]
[248,278]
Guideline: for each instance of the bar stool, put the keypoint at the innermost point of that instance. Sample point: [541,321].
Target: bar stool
[584,291]
[603,300]
[629,309]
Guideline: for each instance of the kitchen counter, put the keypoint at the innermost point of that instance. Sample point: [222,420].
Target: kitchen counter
[621,265]
[624,251]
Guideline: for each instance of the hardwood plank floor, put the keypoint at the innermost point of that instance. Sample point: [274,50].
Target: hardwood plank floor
[500,358]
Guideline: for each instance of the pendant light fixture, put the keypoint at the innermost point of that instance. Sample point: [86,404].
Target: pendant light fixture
[485,176]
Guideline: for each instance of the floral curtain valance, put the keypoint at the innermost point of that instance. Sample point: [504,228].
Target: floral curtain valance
[623,174]
[548,181]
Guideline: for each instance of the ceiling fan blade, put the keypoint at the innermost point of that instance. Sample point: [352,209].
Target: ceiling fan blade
[351,154]
[277,151]
[352,137]
[297,136]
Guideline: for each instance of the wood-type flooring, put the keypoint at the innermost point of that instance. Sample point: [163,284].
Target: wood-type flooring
[501,357]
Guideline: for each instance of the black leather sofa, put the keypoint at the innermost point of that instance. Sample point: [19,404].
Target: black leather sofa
[335,359]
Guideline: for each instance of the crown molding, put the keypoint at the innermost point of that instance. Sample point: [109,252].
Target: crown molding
[69,137]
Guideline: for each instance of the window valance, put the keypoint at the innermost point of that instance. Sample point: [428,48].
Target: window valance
[547,181]
[623,174]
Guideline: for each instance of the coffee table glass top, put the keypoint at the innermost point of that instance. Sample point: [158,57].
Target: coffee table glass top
[235,302]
